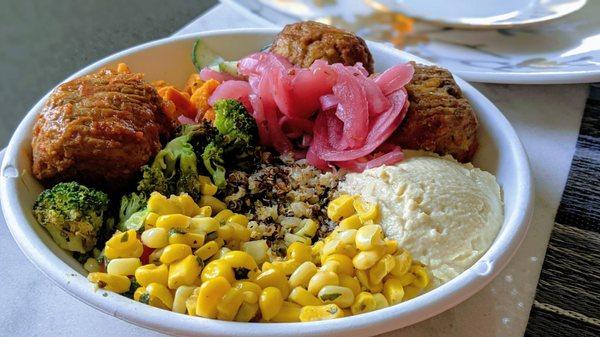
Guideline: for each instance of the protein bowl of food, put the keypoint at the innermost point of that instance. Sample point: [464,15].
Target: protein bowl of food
[300,182]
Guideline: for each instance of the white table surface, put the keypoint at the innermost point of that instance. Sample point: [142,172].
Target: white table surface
[547,119]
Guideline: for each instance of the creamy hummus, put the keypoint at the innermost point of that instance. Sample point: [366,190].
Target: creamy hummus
[446,214]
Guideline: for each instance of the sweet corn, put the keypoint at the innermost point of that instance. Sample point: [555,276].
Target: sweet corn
[257,249]
[393,291]
[367,259]
[159,204]
[225,232]
[303,297]
[137,294]
[421,277]
[344,263]
[316,251]
[403,263]
[136,251]
[342,296]
[205,211]
[150,220]
[243,264]
[363,278]
[151,273]
[351,222]
[206,186]
[321,279]
[289,312]
[186,203]
[210,294]
[241,233]
[381,301]
[274,278]
[410,292]
[364,302]
[369,237]
[238,219]
[194,240]
[347,236]
[351,283]
[174,252]
[366,211]
[181,295]
[287,266]
[406,279]
[381,269]
[160,292]
[223,215]
[308,228]
[218,268]
[391,246]
[123,266]
[299,252]
[270,302]
[116,283]
[246,312]
[250,297]
[169,221]
[320,312]
[155,237]
[124,241]
[302,275]
[229,304]
[220,253]
[340,207]
[91,265]
[183,272]
[248,286]
[215,204]
[204,224]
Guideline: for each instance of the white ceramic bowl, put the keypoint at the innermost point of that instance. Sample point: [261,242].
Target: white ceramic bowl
[500,153]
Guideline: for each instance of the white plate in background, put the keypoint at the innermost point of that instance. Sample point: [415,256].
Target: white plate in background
[566,50]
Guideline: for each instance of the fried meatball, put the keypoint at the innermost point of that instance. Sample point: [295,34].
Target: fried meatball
[98,129]
[439,118]
[304,42]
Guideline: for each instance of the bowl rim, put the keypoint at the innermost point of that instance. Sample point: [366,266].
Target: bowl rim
[425,306]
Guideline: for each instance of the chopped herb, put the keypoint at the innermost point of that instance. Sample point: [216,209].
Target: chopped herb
[330,297]
[200,262]
[105,294]
[125,237]
[174,231]
[241,273]
[332,310]
[211,236]
[145,298]
[132,288]
[101,284]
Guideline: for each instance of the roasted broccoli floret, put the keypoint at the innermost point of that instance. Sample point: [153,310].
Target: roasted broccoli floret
[132,211]
[235,124]
[212,157]
[73,214]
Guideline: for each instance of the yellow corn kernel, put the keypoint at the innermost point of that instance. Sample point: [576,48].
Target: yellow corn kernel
[183,272]
[381,269]
[273,278]
[204,224]
[116,283]
[320,312]
[205,211]
[366,211]
[303,297]
[155,237]
[207,250]
[181,295]
[381,301]
[367,259]
[257,249]
[137,294]
[91,265]
[246,312]
[248,287]
[316,251]
[287,266]
[405,279]
[160,292]
[229,304]
[340,207]
[225,232]
[393,291]
[178,221]
[369,237]
[238,219]
[241,233]
[122,68]
[270,302]
[215,204]
[391,246]
[150,220]
[223,215]
[350,282]
[218,268]
[124,241]
[363,278]
[289,313]
[210,294]
[299,252]
[250,297]
[403,263]
[351,222]
[290,238]
[302,275]
[151,273]
[220,253]
[364,302]
[410,292]
[344,263]
[347,236]
[421,277]
[186,203]
[206,186]
[175,252]
[123,266]
[342,296]
[308,228]
[136,251]
[194,240]
[242,263]
[320,279]
[159,204]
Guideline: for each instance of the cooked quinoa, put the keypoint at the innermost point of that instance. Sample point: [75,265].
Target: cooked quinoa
[279,194]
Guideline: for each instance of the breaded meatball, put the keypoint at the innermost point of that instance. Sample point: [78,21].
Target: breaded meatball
[99,129]
[439,118]
[304,42]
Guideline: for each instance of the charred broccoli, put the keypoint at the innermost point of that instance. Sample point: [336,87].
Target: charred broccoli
[212,157]
[73,214]
[132,211]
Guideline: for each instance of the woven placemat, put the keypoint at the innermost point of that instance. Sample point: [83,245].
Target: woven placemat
[567,300]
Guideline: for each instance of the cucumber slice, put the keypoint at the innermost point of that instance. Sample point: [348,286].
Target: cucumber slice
[202,56]
[229,67]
